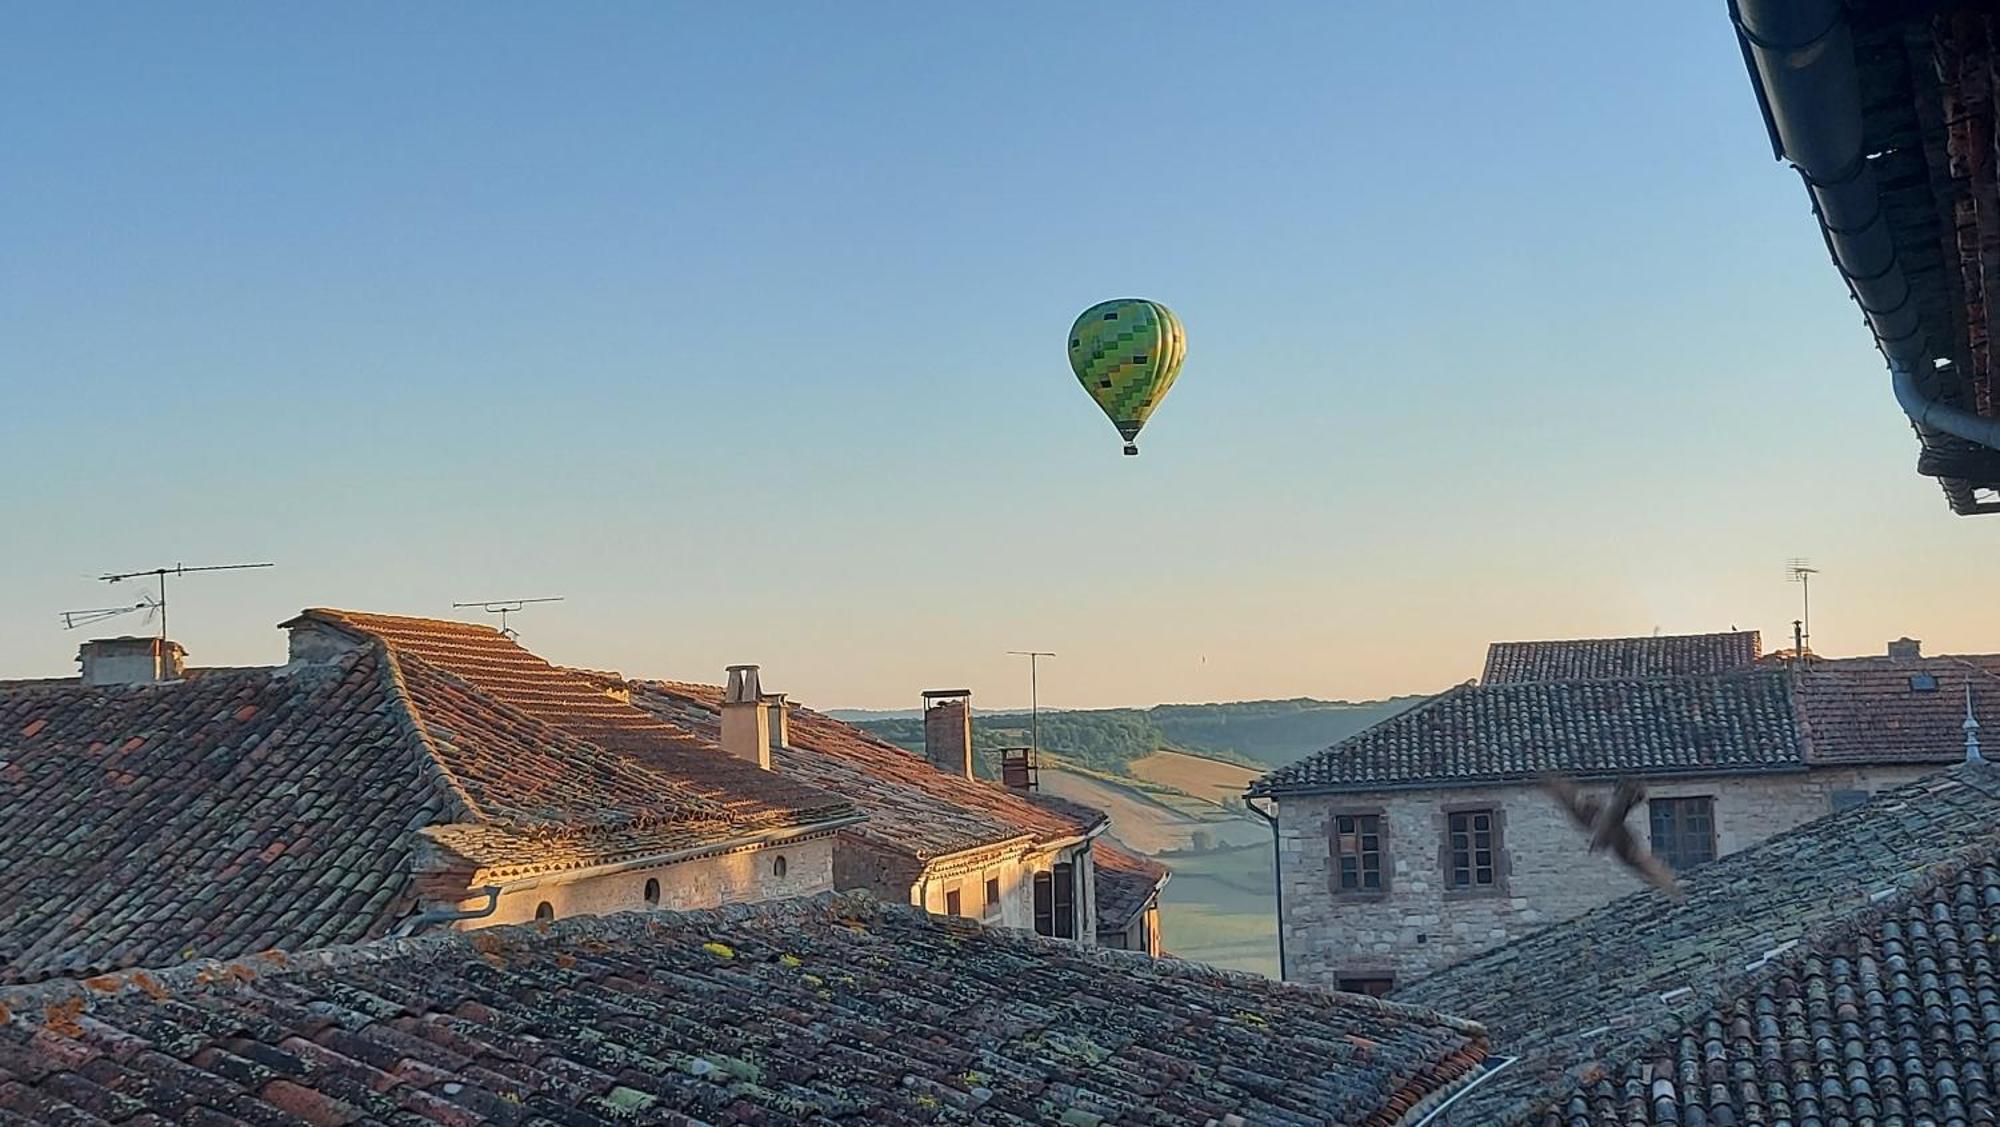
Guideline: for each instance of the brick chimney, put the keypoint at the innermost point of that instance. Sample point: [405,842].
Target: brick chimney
[131,661]
[746,722]
[948,730]
[1906,647]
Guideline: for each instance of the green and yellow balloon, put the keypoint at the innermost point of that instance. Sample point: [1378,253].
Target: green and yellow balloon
[1126,354]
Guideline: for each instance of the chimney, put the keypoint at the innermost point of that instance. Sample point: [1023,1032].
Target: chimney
[948,730]
[1906,647]
[746,725]
[131,661]
[781,720]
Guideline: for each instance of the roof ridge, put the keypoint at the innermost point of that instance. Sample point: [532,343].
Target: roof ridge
[1622,638]
[412,719]
[350,619]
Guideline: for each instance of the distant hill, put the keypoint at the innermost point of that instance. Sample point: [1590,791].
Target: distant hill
[1259,734]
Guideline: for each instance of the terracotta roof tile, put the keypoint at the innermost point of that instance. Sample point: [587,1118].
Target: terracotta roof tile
[241,809]
[576,702]
[913,808]
[1890,710]
[835,1009]
[1597,659]
[1843,972]
[1126,883]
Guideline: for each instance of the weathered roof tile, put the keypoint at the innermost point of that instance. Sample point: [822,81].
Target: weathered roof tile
[839,1007]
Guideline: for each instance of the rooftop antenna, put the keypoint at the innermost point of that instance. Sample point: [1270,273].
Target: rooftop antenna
[1034,696]
[151,604]
[1800,570]
[505,607]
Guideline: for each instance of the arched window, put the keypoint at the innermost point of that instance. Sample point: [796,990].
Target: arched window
[778,865]
[545,911]
[652,894]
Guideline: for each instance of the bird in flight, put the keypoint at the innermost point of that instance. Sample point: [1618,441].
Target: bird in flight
[1605,823]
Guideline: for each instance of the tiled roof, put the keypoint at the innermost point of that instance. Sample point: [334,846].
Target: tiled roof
[1514,732]
[1887,710]
[913,808]
[1844,972]
[242,809]
[577,702]
[1126,883]
[1600,659]
[837,1009]
[235,811]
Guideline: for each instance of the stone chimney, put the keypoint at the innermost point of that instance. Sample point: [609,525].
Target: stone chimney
[781,720]
[746,722]
[1906,647]
[131,661]
[948,730]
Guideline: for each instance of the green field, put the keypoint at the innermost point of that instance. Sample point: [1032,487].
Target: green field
[1218,907]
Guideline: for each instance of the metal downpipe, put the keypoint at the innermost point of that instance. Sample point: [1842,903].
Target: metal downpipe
[1277,876]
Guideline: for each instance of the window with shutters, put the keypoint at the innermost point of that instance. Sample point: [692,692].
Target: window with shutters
[1045,904]
[1683,831]
[1359,848]
[952,905]
[1064,901]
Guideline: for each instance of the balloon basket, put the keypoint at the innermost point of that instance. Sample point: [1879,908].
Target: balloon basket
[1131,448]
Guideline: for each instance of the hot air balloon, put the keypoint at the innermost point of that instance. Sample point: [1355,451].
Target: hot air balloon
[1126,354]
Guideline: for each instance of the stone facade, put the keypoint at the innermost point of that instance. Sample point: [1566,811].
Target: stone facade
[772,872]
[1547,874]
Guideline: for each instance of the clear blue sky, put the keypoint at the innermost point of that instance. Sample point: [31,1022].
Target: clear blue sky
[742,327]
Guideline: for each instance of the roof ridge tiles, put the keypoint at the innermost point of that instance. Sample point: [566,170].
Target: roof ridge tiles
[410,718]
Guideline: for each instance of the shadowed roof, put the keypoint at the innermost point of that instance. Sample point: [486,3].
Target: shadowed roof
[1846,971]
[833,1009]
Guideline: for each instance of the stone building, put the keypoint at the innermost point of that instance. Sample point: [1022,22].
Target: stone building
[1427,839]
[1842,972]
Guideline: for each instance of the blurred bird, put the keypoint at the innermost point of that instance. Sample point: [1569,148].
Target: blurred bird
[1605,823]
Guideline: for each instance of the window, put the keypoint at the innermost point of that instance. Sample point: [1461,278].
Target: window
[1374,987]
[992,892]
[652,894]
[545,911]
[1472,849]
[1923,683]
[1065,901]
[1683,830]
[1849,799]
[952,903]
[1357,851]
[1055,902]
[778,865]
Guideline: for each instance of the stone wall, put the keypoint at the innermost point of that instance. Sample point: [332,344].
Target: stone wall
[1548,874]
[731,878]
[968,873]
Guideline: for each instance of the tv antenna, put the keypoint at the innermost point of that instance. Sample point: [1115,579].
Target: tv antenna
[1034,696]
[505,607]
[1800,570]
[153,603]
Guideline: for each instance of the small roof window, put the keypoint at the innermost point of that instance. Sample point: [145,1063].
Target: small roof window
[1923,683]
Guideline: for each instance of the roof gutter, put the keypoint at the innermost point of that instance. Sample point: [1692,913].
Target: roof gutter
[1801,56]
